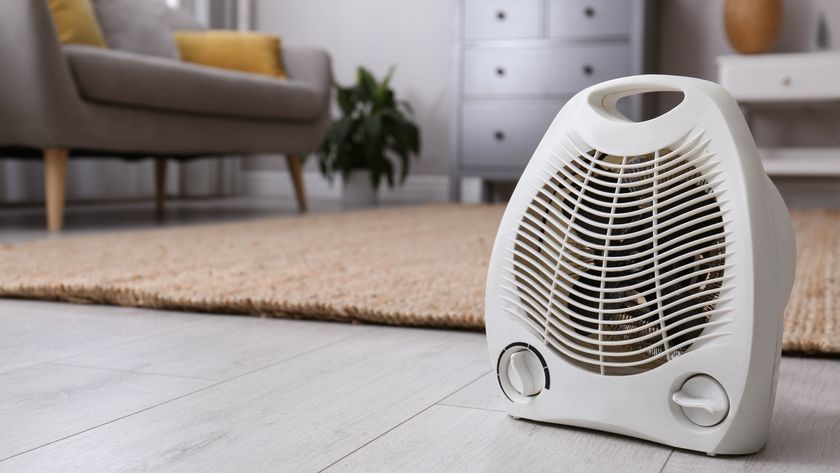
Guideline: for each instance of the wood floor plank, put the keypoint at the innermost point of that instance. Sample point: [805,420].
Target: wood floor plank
[33,332]
[45,403]
[805,431]
[298,416]
[223,347]
[806,424]
[456,439]
[484,393]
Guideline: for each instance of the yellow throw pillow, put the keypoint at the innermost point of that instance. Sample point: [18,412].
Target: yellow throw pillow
[241,51]
[76,22]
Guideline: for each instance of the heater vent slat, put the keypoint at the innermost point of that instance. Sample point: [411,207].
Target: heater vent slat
[572,181]
[678,283]
[620,263]
[577,258]
[639,179]
[532,222]
[560,315]
[581,343]
[644,211]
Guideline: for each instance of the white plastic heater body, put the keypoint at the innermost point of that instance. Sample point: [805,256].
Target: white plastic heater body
[640,273]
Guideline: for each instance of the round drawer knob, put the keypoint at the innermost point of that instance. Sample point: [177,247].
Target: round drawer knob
[588,69]
[501,15]
[589,12]
[499,135]
[500,71]
[786,81]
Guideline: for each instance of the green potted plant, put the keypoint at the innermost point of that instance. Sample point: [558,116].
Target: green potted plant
[373,139]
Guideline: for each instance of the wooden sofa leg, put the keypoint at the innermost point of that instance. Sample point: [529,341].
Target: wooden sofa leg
[55,178]
[295,164]
[160,187]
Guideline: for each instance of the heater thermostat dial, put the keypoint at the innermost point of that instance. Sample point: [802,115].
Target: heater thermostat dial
[525,373]
[703,400]
[522,372]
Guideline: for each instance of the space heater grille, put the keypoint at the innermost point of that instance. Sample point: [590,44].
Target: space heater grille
[619,263]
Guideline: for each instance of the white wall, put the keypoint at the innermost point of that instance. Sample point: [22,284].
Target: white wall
[693,32]
[417,36]
[693,35]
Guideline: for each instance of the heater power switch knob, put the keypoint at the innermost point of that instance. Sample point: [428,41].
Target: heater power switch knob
[525,373]
[703,400]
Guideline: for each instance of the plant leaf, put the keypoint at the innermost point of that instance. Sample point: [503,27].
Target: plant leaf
[344,97]
[373,132]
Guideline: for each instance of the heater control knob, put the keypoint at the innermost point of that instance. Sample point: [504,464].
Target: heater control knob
[703,400]
[525,373]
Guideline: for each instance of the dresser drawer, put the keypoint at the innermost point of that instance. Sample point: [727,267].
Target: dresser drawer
[549,70]
[502,19]
[500,133]
[781,77]
[589,18]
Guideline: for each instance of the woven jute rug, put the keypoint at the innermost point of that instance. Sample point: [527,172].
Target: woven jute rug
[419,266]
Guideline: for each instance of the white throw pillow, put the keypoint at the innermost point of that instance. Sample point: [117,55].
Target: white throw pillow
[142,26]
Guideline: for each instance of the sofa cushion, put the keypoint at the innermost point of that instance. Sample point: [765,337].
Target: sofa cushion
[144,27]
[76,22]
[135,26]
[128,79]
[182,20]
[243,51]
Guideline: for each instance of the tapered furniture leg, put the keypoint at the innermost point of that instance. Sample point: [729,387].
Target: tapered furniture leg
[295,164]
[160,186]
[55,179]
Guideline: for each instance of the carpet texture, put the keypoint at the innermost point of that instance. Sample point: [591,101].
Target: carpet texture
[421,266]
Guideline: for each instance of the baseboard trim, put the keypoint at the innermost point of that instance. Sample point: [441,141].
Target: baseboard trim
[416,188]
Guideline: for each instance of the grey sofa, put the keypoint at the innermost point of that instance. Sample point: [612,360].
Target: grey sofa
[58,101]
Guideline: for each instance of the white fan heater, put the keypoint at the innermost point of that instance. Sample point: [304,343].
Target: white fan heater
[640,273]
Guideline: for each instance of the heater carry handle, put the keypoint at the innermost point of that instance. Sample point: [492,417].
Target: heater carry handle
[604,97]
[600,118]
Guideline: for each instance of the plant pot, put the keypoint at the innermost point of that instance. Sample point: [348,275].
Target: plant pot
[752,26]
[357,192]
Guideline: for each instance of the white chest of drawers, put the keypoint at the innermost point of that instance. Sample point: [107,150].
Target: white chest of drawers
[518,61]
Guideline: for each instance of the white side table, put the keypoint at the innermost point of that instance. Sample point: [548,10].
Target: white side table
[787,78]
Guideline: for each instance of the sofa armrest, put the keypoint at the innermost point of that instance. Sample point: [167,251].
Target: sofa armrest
[312,66]
[37,91]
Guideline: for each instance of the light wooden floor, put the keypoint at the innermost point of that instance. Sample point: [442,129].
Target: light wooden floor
[92,388]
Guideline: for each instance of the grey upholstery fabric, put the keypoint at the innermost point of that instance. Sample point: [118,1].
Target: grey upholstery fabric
[41,106]
[123,78]
[137,26]
[180,20]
